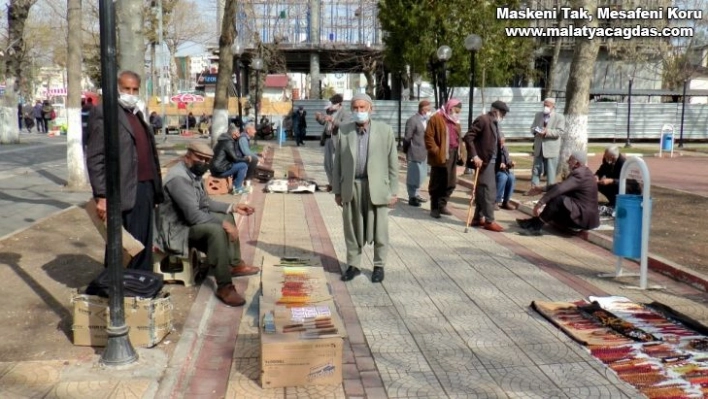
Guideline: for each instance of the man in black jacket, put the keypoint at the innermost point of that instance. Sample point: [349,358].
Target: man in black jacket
[571,204]
[608,176]
[228,160]
[140,180]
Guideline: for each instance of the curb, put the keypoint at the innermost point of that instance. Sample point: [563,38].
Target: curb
[655,262]
[40,220]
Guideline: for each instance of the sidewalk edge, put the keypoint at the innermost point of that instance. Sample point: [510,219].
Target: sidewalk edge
[41,220]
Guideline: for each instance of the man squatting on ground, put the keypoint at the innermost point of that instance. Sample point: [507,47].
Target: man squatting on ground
[365,185]
[140,179]
[189,218]
[416,154]
[608,178]
[570,204]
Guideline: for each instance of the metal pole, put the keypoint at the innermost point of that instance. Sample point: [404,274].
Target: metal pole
[443,84]
[400,97]
[470,117]
[161,80]
[418,92]
[683,113]
[255,137]
[118,351]
[238,93]
[629,113]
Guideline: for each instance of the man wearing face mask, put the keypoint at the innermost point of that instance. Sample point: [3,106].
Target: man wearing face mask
[571,204]
[140,180]
[547,129]
[416,154]
[442,142]
[189,218]
[483,143]
[365,185]
[337,115]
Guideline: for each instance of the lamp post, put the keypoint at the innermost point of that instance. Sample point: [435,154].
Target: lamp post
[472,43]
[444,53]
[629,113]
[418,81]
[257,65]
[683,112]
[237,50]
[118,351]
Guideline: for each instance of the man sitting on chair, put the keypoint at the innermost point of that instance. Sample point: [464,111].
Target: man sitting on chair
[189,218]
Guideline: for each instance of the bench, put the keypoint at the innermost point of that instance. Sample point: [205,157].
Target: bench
[177,267]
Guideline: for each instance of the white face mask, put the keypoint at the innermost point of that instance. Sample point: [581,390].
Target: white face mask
[361,117]
[546,110]
[128,100]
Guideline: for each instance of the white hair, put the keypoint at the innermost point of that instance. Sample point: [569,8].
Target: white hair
[550,100]
[613,151]
[580,156]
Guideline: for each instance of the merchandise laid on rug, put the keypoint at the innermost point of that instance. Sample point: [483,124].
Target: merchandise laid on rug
[291,186]
[658,350]
[301,331]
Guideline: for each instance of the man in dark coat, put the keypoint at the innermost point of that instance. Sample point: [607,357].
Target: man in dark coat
[228,160]
[608,176]
[571,204]
[300,125]
[483,146]
[416,153]
[140,180]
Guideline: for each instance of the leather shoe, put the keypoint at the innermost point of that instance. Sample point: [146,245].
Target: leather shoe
[435,213]
[378,274]
[530,232]
[228,295]
[497,207]
[420,199]
[242,269]
[524,223]
[493,226]
[351,273]
[477,223]
[413,201]
[445,211]
[508,206]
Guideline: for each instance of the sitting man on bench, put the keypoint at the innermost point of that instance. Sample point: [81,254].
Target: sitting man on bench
[189,218]
[570,204]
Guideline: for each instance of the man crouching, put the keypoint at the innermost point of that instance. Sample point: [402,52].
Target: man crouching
[189,218]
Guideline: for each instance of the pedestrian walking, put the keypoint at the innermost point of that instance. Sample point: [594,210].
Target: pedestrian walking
[300,125]
[365,185]
[416,153]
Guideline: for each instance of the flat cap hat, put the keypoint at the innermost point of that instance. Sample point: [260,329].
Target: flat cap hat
[200,148]
[501,106]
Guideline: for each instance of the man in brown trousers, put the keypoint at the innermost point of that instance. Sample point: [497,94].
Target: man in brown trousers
[483,146]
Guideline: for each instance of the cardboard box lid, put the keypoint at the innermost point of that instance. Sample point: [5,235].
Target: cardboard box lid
[282,316]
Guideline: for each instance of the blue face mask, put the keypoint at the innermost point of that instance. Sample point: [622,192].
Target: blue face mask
[361,117]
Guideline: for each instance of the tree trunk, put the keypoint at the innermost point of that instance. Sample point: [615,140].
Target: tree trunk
[220,120]
[153,70]
[131,39]
[554,59]
[74,144]
[17,12]
[174,81]
[578,92]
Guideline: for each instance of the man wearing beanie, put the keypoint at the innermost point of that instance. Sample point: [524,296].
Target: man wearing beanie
[365,185]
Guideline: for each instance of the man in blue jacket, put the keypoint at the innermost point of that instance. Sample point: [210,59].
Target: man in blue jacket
[244,150]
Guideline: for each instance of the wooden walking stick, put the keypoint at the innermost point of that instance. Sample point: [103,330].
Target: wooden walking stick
[469,209]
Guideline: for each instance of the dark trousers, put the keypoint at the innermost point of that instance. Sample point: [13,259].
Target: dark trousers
[211,238]
[41,128]
[300,135]
[252,168]
[485,193]
[555,212]
[443,180]
[139,223]
[610,191]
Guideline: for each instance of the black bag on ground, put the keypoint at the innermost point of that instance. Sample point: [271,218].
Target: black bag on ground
[136,283]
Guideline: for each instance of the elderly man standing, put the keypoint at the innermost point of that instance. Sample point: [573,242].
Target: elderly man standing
[547,129]
[416,154]
[483,143]
[336,115]
[365,184]
[189,218]
[571,204]
[140,179]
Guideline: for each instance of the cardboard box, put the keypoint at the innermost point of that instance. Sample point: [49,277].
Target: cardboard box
[150,320]
[272,278]
[131,246]
[289,361]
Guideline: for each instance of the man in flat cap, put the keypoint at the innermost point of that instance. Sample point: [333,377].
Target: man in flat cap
[547,129]
[483,143]
[416,154]
[336,115]
[189,218]
[365,185]
[140,179]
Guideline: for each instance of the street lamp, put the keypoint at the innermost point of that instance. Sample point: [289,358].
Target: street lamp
[237,50]
[472,43]
[418,81]
[444,53]
[257,65]
[629,112]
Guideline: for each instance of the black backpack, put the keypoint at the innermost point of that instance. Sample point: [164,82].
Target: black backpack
[136,283]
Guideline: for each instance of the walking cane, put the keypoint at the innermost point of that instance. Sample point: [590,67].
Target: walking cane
[469,209]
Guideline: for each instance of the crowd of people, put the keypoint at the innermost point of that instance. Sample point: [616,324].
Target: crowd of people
[360,158]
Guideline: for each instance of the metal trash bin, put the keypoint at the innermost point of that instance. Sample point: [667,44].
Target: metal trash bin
[627,240]
[667,142]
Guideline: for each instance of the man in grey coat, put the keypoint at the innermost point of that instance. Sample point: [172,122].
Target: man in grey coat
[140,179]
[189,218]
[416,153]
[548,128]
